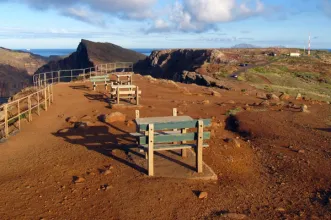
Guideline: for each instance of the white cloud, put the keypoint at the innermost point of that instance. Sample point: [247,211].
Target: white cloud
[82,10]
[201,15]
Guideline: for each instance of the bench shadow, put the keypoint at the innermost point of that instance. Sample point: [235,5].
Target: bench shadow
[99,139]
[81,87]
[97,97]
[324,129]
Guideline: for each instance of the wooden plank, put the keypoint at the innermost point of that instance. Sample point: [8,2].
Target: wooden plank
[163,147]
[173,124]
[38,101]
[19,115]
[184,151]
[137,114]
[139,134]
[118,95]
[29,108]
[199,147]
[45,93]
[176,137]
[126,92]
[5,110]
[150,150]
[124,86]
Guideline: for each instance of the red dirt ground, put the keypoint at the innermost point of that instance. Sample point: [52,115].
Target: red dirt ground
[281,171]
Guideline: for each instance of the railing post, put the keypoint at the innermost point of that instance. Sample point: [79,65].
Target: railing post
[49,95]
[45,94]
[84,75]
[38,101]
[45,83]
[71,76]
[29,108]
[19,114]
[52,77]
[58,76]
[52,88]
[5,109]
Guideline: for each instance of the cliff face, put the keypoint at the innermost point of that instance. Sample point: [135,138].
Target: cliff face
[89,54]
[183,65]
[16,68]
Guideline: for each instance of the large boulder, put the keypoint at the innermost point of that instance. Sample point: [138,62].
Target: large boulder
[113,117]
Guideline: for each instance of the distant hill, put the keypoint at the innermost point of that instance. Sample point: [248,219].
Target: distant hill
[244,46]
[16,69]
[90,53]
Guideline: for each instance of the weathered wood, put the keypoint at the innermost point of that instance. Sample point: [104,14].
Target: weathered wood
[126,92]
[45,94]
[118,95]
[175,137]
[5,110]
[174,112]
[137,114]
[58,76]
[199,146]
[19,115]
[29,109]
[184,151]
[170,123]
[137,95]
[49,95]
[150,150]
[52,88]
[38,102]
[164,147]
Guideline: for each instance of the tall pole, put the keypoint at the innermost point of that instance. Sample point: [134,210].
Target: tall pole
[309,46]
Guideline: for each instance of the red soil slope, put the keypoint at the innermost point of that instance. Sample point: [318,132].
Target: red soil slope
[283,171]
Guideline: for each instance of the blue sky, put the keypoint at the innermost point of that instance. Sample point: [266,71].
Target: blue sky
[165,24]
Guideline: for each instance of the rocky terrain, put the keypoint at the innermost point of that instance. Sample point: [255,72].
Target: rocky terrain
[269,69]
[90,54]
[16,69]
[271,155]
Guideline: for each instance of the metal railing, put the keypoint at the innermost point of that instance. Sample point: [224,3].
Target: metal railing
[43,79]
[13,112]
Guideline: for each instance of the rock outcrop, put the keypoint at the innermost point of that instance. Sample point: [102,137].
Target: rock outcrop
[89,54]
[181,65]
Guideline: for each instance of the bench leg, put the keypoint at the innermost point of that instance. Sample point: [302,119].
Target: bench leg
[151,150]
[184,151]
[199,147]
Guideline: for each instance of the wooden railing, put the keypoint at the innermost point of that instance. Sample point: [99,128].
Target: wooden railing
[43,79]
[13,112]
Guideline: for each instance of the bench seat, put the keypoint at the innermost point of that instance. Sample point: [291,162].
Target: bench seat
[163,147]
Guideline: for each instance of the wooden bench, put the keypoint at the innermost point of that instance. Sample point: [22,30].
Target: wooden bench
[124,78]
[171,133]
[118,92]
[100,80]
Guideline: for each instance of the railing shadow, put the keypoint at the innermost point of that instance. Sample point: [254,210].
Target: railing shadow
[99,139]
[97,97]
[80,87]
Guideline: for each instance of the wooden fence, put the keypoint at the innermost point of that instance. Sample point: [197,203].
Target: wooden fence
[43,79]
[13,112]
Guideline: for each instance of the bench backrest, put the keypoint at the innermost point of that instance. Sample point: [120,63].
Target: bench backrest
[99,78]
[168,137]
[175,125]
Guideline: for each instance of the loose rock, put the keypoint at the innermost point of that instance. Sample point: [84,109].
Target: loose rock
[205,102]
[113,117]
[72,119]
[271,96]
[203,195]
[234,216]
[304,108]
[284,96]
[80,125]
[79,180]
[265,103]
[216,94]
[298,97]
[261,95]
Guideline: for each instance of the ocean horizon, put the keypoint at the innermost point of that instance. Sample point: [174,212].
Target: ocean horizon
[65,52]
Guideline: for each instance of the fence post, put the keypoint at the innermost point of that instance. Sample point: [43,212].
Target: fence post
[58,76]
[38,101]
[84,75]
[71,76]
[52,77]
[52,88]
[49,95]
[45,94]
[29,108]
[45,83]
[19,114]
[5,109]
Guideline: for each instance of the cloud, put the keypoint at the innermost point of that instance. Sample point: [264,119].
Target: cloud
[202,15]
[82,10]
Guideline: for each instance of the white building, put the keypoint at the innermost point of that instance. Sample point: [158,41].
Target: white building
[295,54]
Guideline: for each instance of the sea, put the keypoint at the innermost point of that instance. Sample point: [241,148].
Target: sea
[65,52]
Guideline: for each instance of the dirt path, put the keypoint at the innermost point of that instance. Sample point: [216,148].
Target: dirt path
[37,166]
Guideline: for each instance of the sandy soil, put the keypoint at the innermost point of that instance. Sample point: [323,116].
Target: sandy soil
[280,171]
